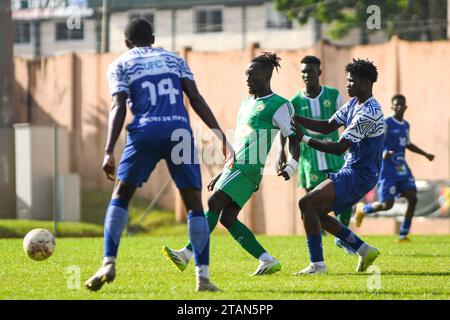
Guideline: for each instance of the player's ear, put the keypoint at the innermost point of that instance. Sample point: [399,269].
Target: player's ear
[152,40]
[320,72]
[128,44]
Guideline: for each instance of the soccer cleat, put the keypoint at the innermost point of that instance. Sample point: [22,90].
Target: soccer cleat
[341,244]
[359,216]
[267,267]
[204,284]
[404,240]
[177,258]
[106,273]
[367,260]
[312,269]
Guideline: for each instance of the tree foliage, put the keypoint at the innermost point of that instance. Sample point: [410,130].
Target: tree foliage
[409,19]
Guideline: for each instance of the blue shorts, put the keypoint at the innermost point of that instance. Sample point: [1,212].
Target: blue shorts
[390,188]
[350,186]
[143,152]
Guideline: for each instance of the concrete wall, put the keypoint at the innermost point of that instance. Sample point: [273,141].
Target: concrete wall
[72,91]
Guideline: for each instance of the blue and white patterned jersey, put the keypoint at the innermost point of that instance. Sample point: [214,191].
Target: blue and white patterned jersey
[365,128]
[397,138]
[152,79]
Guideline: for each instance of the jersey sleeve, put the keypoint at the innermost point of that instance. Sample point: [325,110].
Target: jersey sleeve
[184,70]
[339,101]
[117,79]
[365,125]
[341,115]
[282,119]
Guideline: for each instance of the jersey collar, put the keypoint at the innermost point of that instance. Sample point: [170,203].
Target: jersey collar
[265,97]
[399,122]
[318,96]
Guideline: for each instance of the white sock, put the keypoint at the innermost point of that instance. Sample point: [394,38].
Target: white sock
[265,257]
[187,253]
[202,271]
[319,264]
[363,250]
[107,260]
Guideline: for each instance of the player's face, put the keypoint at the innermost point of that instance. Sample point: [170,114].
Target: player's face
[310,73]
[355,85]
[255,77]
[399,106]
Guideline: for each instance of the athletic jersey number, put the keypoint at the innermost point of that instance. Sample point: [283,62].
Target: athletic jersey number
[165,87]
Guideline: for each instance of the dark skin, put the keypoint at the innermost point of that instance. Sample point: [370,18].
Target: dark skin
[258,82]
[399,107]
[191,197]
[310,73]
[316,204]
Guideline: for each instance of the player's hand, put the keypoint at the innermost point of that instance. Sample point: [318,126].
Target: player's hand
[109,166]
[212,183]
[296,127]
[430,156]
[229,154]
[281,161]
[387,154]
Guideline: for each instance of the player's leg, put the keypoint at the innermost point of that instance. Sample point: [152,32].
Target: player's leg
[408,190]
[115,222]
[247,240]
[386,190]
[344,218]
[137,162]
[312,206]
[217,201]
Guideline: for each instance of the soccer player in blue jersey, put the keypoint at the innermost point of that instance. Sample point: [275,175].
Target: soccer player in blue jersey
[396,179]
[151,81]
[364,139]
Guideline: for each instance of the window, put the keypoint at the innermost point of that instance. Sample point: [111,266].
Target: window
[208,20]
[149,16]
[276,19]
[63,33]
[22,32]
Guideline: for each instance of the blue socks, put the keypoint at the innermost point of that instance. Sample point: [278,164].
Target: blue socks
[315,247]
[199,236]
[368,208]
[351,239]
[404,228]
[115,221]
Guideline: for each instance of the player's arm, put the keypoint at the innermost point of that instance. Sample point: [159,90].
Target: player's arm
[413,148]
[321,126]
[282,156]
[202,109]
[116,120]
[337,148]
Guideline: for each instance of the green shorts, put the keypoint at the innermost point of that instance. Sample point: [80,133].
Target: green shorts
[236,185]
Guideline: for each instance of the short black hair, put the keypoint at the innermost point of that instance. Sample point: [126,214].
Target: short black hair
[363,69]
[138,30]
[269,60]
[311,59]
[398,96]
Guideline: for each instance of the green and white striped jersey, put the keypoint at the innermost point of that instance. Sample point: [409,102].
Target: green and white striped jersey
[259,121]
[321,108]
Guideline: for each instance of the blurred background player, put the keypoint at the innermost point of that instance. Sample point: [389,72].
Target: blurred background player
[259,117]
[317,102]
[364,139]
[396,179]
[152,81]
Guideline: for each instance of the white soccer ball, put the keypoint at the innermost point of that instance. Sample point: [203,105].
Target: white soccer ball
[39,244]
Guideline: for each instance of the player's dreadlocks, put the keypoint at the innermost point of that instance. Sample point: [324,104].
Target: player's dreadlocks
[269,60]
[363,69]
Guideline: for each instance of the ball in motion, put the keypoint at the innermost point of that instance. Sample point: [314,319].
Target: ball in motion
[39,244]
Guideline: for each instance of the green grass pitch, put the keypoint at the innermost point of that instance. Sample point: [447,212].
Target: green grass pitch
[418,270]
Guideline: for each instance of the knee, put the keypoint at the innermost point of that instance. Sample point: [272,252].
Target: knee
[306,205]
[212,205]
[227,219]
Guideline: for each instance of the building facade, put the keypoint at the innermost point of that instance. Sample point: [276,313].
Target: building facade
[50,27]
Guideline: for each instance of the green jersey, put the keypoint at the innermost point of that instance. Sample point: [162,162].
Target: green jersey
[258,122]
[321,108]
